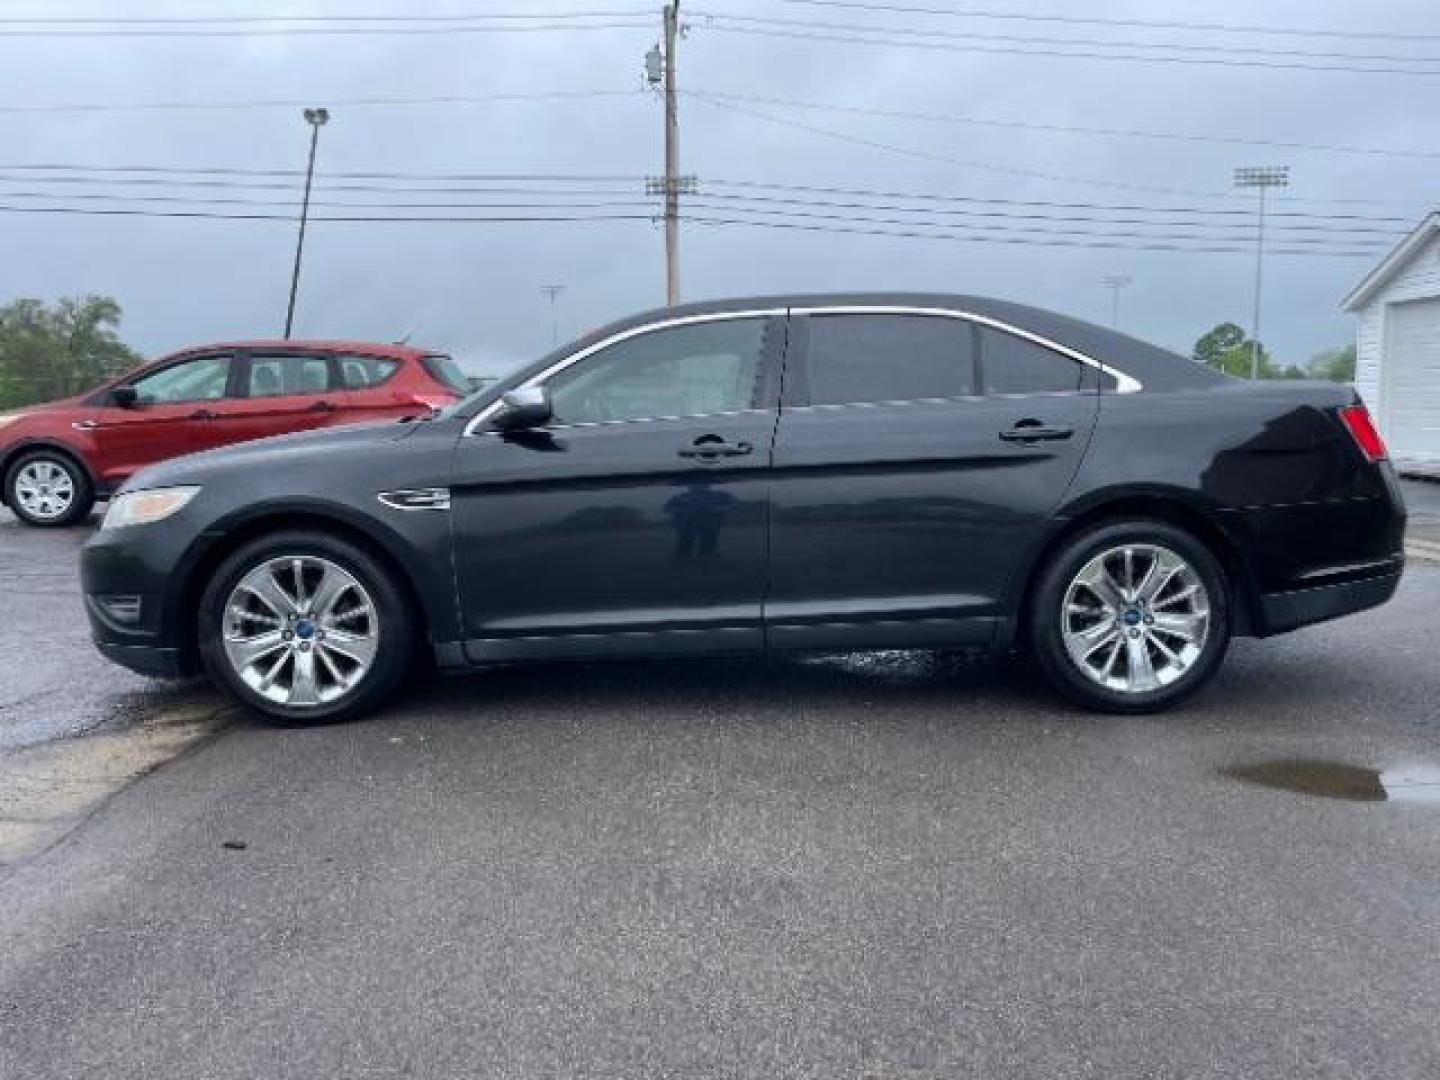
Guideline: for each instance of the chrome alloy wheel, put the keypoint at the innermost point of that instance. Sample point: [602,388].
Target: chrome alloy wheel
[1136,618]
[45,489]
[300,630]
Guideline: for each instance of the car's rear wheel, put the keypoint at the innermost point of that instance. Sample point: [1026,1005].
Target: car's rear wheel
[48,488]
[305,628]
[1131,617]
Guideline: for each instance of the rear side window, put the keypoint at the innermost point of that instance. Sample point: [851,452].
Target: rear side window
[285,376]
[1014,365]
[869,358]
[444,370]
[358,372]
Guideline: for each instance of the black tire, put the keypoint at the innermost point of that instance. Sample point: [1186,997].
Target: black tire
[394,627]
[1046,614]
[82,498]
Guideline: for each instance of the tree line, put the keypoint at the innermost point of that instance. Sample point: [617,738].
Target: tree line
[50,351]
[1227,348]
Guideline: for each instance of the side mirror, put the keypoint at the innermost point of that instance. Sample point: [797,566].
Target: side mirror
[125,396]
[527,407]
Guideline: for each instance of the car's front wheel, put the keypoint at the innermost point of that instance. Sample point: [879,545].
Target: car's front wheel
[47,488]
[1131,617]
[305,628]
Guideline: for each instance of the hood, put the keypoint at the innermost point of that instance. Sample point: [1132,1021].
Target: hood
[289,452]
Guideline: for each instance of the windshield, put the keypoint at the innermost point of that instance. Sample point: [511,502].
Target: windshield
[444,370]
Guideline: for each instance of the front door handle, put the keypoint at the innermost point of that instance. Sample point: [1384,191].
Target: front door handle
[1032,431]
[201,414]
[322,406]
[713,448]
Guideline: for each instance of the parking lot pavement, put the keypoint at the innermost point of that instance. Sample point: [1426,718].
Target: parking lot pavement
[887,866]
[53,683]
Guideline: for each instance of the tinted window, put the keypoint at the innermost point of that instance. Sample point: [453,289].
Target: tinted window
[694,370]
[201,379]
[358,372]
[279,376]
[859,358]
[445,371]
[1013,365]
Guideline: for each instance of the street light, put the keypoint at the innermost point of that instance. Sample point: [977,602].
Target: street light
[316,118]
[1115,282]
[553,291]
[1261,178]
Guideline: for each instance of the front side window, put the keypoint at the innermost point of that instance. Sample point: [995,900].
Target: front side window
[285,376]
[1015,365]
[695,370]
[859,358]
[201,379]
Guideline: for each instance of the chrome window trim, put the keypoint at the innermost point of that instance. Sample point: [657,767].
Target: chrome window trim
[1124,384]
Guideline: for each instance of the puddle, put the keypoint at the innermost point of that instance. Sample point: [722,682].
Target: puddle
[1416,783]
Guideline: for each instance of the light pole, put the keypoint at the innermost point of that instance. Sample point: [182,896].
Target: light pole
[317,119]
[1261,178]
[553,291]
[1115,282]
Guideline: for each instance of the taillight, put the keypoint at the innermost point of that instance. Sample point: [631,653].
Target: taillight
[1362,430]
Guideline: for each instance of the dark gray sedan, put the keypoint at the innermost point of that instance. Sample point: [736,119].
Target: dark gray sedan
[820,472]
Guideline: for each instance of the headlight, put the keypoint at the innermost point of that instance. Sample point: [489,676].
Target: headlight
[146,507]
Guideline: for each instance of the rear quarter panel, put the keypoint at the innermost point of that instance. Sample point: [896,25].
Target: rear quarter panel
[1269,464]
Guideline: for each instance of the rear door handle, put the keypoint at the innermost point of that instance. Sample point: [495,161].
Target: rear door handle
[201,414]
[712,448]
[322,406]
[1027,431]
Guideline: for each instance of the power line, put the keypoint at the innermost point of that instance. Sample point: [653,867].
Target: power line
[1064,129]
[346,219]
[364,102]
[1016,50]
[1233,28]
[749,204]
[290,18]
[1015,241]
[923,33]
[542,186]
[319,31]
[1321,241]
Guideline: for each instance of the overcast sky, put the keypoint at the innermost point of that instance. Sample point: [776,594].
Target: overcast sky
[475,289]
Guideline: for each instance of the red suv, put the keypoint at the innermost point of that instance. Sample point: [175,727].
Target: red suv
[56,459]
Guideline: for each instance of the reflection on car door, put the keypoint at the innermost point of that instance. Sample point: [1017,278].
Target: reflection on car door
[908,486]
[280,393]
[172,415]
[639,515]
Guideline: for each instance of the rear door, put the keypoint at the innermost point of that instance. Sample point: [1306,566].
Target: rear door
[374,386]
[918,455]
[281,392]
[172,415]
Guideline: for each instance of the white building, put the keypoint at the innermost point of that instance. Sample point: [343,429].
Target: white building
[1397,368]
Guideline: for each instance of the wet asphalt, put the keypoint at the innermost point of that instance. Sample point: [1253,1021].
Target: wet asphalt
[896,865]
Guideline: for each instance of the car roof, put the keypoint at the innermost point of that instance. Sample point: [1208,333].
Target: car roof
[354,348]
[1157,368]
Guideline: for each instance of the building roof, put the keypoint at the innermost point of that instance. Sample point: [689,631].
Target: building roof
[1392,264]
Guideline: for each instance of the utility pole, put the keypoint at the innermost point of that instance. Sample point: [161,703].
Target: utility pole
[1261,178]
[316,118]
[660,73]
[1115,282]
[553,291]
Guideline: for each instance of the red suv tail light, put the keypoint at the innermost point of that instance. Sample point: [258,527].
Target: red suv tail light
[1362,429]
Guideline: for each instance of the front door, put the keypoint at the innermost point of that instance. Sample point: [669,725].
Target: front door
[918,457]
[171,415]
[635,521]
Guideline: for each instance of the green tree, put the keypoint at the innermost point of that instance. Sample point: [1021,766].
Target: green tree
[1227,349]
[53,351]
[1337,365]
